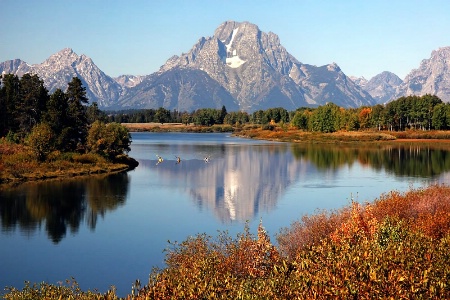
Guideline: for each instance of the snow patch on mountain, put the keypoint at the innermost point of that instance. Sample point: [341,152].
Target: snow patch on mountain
[235,61]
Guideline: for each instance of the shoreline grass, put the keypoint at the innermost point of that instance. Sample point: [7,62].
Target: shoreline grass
[286,133]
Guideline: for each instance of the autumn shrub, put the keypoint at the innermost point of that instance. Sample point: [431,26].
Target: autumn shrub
[222,128]
[88,158]
[427,210]
[19,163]
[201,267]
[268,127]
[41,141]
[8,147]
[69,290]
[309,231]
[109,139]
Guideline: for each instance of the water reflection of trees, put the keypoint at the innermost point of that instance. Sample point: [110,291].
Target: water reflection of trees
[61,206]
[401,160]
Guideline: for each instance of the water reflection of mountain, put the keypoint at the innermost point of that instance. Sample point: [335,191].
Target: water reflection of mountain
[402,160]
[240,181]
[237,182]
[61,205]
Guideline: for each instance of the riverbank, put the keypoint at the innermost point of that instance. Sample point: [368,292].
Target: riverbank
[18,165]
[293,135]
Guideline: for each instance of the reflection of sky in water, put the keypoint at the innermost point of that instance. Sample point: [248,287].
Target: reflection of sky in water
[243,180]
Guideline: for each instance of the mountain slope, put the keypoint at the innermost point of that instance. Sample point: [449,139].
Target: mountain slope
[259,73]
[432,77]
[16,66]
[180,89]
[383,86]
[59,69]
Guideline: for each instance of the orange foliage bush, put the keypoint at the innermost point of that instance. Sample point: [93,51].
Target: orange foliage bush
[360,224]
[426,210]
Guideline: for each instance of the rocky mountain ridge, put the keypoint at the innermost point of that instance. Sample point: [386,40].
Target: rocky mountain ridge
[242,68]
[259,73]
[432,77]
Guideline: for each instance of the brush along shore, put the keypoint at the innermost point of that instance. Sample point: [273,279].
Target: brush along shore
[285,133]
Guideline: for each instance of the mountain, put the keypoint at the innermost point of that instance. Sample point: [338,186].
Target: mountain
[180,89]
[239,66]
[259,73]
[16,66]
[383,86]
[59,69]
[432,77]
[360,81]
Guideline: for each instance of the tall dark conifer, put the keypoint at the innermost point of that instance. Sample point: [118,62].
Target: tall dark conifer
[31,103]
[9,95]
[56,116]
[76,98]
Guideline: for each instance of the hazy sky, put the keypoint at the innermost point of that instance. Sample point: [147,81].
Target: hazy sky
[136,37]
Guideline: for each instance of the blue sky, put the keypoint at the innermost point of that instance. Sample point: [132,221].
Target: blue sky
[136,37]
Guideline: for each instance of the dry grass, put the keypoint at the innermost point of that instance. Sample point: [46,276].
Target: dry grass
[289,134]
[175,127]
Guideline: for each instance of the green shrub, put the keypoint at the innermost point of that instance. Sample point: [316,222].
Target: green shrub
[41,141]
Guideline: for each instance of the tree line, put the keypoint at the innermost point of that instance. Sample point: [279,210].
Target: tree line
[203,116]
[60,121]
[411,112]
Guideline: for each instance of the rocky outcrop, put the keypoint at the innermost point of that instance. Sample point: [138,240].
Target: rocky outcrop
[432,77]
[59,69]
[383,86]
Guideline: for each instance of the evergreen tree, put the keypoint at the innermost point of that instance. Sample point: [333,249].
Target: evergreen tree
[32,99]
[93,114]
[56,117]
[223,114]
[9,95]
[78,123]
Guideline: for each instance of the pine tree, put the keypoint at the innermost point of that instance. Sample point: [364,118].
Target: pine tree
[32,100]
[76,132]
[56,117]
[9,94]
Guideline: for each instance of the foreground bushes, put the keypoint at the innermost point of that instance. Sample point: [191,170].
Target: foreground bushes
[396,247]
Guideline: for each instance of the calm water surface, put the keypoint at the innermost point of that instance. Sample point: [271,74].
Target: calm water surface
[112,230]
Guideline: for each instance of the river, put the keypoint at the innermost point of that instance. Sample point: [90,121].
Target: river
[111,230]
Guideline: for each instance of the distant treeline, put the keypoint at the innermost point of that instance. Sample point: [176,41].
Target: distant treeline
[411,112]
